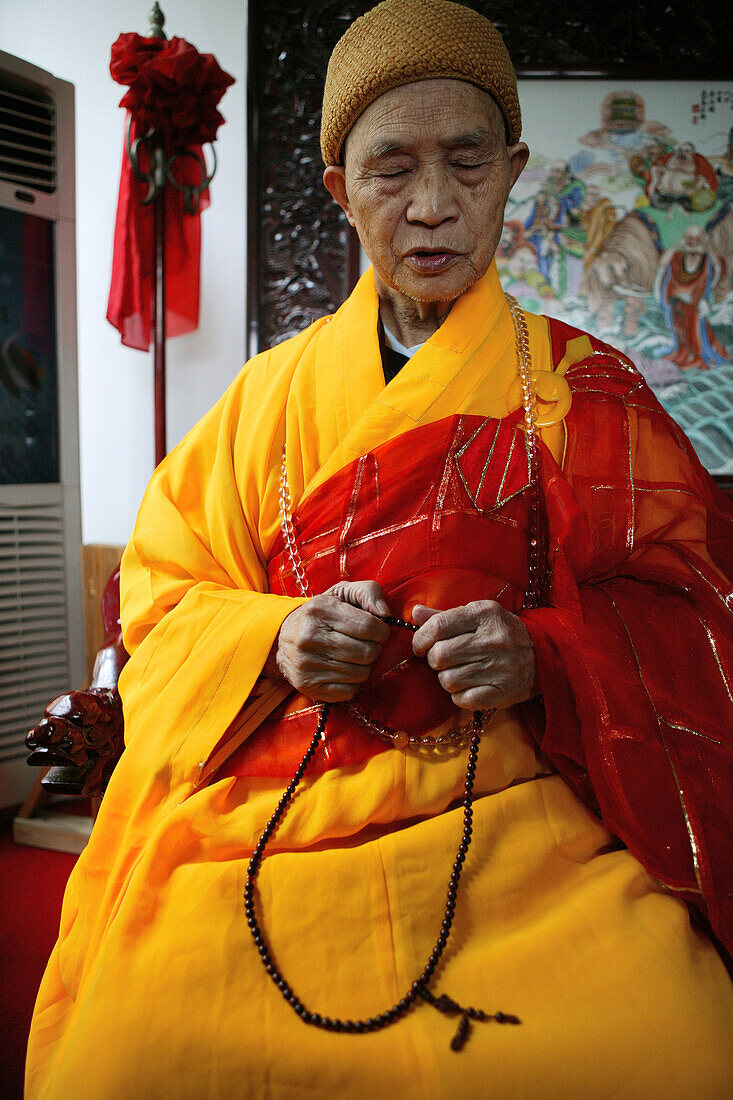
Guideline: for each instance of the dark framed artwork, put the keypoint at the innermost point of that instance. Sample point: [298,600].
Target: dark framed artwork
[302,257]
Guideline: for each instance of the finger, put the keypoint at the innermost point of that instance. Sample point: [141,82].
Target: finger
[464,649]
[367,595]
[309,676]
[371,598]
[440,626]
[479,698]
[347,650]
[330,692]
[322,664]
[354,622]
[345,674]
[421,613]
[449,624]
[475,686]
[465,677]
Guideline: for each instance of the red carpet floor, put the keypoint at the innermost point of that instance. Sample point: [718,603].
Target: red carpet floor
[32,882]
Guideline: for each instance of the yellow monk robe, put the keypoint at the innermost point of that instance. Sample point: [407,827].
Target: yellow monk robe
[155,988]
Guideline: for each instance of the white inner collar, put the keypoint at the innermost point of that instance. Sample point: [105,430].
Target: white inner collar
[397,346]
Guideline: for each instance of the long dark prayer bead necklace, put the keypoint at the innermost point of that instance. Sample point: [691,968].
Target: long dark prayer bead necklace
[419,988]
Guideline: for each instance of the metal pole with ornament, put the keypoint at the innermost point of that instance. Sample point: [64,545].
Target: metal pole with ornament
[172,97]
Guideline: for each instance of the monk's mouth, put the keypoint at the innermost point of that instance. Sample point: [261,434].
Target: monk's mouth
[430,260]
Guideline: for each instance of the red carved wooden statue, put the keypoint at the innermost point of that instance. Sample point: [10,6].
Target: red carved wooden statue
[80,737]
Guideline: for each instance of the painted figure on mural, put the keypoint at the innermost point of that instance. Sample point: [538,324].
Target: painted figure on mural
[685,283]
[554,228]
[597,217]
[517,257]
[684,177]
[724,170]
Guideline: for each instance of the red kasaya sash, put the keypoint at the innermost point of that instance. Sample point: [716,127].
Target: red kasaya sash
[437,516]
[633,648]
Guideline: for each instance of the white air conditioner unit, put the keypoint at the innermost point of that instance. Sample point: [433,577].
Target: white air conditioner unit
[41,634]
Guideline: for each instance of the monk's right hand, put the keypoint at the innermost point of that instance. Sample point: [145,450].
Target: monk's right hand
[326,647]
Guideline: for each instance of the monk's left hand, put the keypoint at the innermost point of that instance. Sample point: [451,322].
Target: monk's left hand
[482,653]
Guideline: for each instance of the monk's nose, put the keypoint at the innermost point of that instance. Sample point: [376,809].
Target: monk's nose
[432,200]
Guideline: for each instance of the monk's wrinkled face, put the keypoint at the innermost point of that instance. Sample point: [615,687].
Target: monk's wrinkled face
[426,177]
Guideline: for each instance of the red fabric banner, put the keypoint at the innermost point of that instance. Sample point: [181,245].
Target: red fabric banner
[173,95]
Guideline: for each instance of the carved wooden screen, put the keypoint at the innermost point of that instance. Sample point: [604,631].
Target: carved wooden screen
[303,259]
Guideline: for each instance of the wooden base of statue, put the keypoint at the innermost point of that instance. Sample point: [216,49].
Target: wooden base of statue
[43,822]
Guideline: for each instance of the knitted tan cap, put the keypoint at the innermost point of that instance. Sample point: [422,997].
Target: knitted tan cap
[402,41]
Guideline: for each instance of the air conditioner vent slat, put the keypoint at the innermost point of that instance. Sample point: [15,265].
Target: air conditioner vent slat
[26,708]
[27,157]
[48,634]
[34,666]
[38,105]
[41,181]
[18,124]
[43,685]
[14,139]
[27,138]
[50,645]
[20,120]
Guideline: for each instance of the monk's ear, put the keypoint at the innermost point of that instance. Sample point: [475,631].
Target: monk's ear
[334,180]
[518,157]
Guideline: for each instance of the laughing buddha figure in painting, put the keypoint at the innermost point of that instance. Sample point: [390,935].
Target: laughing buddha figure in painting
[430,698]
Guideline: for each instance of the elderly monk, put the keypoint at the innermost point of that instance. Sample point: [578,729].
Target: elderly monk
[430,701]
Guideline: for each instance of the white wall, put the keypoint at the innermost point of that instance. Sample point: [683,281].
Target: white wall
[72,39]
